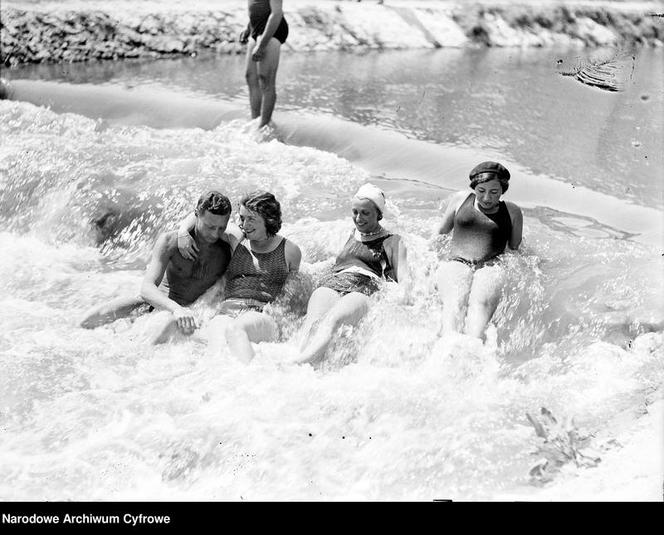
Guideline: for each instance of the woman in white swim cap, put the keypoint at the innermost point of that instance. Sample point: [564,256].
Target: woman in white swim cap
[370,256]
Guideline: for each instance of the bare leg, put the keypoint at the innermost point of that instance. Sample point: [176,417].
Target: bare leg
[320,302]
[483,299]
[162,327]
[251,75]
[118,308]
[267,78]
[247,328]
[454,281]
[348,310]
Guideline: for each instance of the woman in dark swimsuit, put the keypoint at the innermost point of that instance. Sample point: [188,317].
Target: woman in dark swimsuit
[470,281]
[268,30]
[370,256]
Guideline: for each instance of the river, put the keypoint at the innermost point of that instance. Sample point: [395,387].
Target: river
[395,413]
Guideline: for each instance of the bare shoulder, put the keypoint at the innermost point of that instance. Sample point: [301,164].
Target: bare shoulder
[166,244]
[462,195]
[393,240]
[394,243]
[293,254]
[292,249]
[167,241]
[513,209]
[457,199]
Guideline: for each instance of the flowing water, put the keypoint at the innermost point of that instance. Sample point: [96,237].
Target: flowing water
[395,412]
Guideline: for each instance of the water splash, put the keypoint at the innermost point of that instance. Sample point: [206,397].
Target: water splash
[397,412]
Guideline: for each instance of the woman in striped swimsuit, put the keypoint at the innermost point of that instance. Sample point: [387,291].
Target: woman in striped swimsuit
[471,280]
[260,267]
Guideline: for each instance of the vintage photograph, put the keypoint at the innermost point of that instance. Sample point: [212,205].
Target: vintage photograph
[331,251]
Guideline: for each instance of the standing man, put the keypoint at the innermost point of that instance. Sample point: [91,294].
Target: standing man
[268,31]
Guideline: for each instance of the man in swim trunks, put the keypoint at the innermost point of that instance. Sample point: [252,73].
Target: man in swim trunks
[470,281]
[268,30]
[173,282]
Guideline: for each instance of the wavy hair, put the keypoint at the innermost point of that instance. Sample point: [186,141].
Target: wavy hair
[214,202]
[265,205]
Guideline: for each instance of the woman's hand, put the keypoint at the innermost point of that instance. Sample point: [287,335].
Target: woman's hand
[187,247]
[257,53]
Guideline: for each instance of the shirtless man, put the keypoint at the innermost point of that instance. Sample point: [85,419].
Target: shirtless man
[268,30]
[172,282]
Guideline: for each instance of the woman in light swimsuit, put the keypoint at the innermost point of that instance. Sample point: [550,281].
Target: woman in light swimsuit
[370,256]
[470,281]
[256,275]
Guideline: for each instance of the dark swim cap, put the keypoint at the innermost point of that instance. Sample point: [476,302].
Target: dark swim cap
[486,171]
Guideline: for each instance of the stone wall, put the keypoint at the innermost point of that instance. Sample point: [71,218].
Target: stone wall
[38,34]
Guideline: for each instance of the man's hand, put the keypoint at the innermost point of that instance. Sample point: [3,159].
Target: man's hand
[187,247]
[257,53]
[185,320]
[244,36]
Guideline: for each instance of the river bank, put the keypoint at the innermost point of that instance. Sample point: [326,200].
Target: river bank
[50,32]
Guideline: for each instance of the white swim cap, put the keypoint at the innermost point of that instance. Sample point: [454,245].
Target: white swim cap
[374,194]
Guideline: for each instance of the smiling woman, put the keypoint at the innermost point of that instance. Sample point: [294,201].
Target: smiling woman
[471,280]
[370,256]
[256,275]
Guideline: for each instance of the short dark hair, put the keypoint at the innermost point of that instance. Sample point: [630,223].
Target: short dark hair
[487,177]
[214,202]
[266,206]
[486,171]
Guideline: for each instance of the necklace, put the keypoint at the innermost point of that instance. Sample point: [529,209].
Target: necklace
[371,234]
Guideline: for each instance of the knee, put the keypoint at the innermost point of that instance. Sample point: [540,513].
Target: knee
[325,326]
[251,77]
[338,318]
[162,329]
[230,330]
[87,322]
[233,331]
[332,322]
[484,301]
[266,82]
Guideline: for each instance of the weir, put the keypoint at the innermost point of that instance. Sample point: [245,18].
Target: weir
[384,154]
[396,412]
